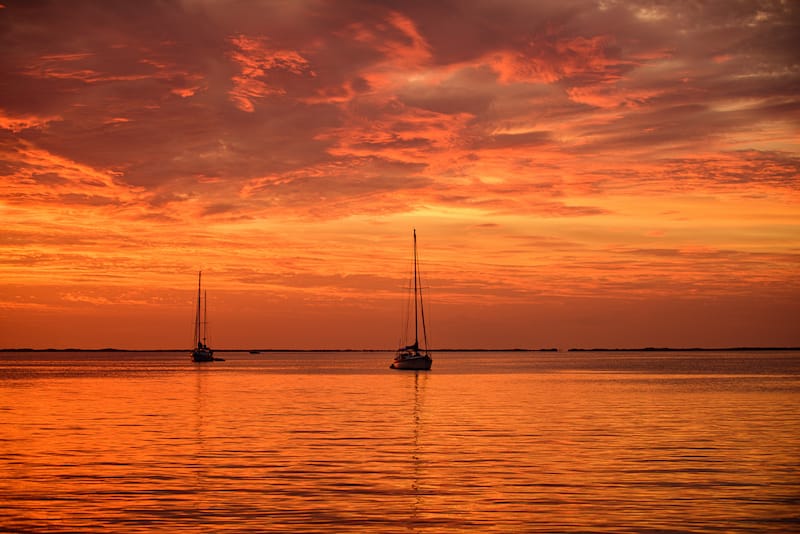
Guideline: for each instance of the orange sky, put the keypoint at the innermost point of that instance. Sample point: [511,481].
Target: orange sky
[589,173]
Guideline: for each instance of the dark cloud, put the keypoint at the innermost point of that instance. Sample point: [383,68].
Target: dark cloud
[504,141]
[394,142]
[49,178]
[449,97]
[169,95]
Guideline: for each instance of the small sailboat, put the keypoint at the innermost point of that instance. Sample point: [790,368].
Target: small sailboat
[412,356]
[201,352]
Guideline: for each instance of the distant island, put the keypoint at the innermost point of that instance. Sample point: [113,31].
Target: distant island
[689,349]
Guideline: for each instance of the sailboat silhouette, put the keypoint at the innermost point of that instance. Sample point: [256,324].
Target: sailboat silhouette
[412,356]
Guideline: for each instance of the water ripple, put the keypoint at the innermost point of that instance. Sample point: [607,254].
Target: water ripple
[339,443]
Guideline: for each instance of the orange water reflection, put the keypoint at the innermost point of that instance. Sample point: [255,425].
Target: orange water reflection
[339,443]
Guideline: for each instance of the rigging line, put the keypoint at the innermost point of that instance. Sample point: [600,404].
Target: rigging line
[422,309]
[406,315]
[205,317]
[197,312]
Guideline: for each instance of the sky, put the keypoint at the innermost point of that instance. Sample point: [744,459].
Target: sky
[579,173]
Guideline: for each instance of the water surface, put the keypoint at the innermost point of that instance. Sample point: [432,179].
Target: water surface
[337,442]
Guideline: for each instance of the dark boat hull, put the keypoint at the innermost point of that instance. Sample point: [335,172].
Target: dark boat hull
[202,355]
[415,362]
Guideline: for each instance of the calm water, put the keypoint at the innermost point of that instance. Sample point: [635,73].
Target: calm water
[491,442]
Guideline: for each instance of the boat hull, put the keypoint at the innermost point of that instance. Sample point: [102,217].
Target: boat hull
[421,362]
[202,355]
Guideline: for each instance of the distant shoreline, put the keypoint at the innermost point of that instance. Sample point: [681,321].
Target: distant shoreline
[643,349]
[688,349]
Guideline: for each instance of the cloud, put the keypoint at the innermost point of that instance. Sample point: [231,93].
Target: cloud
[32,171]
[409,84]
[19,123]
[261,70]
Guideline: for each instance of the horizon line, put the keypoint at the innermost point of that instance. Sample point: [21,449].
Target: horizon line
[518,349]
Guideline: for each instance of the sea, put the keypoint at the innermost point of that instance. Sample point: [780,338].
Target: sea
[652,442]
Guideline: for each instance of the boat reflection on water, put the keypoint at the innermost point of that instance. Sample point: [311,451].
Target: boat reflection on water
[416,453]
[201,463]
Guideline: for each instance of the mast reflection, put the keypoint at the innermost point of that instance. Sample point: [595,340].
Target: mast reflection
[416,453]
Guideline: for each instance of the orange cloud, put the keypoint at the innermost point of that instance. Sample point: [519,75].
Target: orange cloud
[258,63]
[19,123]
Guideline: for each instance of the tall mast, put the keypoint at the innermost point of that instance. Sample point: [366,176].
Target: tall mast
[197,315]
[416,327]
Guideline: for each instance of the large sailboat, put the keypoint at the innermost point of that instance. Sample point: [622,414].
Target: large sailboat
[413,356]
[201,352]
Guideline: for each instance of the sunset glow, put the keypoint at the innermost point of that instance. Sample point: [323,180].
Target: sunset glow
[591,173]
